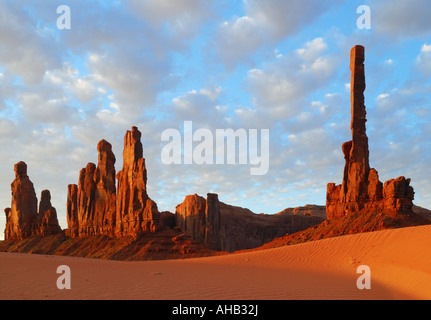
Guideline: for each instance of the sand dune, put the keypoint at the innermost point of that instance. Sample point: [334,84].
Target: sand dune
[400,263]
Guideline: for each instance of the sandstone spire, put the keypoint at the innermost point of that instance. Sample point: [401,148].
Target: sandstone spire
[105,193]
[136,212]
[72,211]
[356,151]
[86,200]
[361,188]
[48,222]
[21,218]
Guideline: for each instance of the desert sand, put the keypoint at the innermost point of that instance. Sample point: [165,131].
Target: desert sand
[399,260]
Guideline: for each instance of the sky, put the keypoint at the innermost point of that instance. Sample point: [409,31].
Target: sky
[281,65]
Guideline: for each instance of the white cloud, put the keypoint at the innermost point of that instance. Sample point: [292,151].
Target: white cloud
[201,107]
[382,96]
[281,86]
[281,18]
[135,78]
[424,60]
[183,18]
[426,48]
[399,18]
[42,109]
[312,49]
[23,51]
[236,39]
[265,23]
[83,88]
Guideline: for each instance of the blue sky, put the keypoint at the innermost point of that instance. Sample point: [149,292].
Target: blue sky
[273,64]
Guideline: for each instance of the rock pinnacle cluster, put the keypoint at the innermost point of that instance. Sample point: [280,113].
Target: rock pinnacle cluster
[96,206]
[23,218]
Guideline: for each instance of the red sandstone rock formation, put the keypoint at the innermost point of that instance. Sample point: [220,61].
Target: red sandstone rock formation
[23,219]
[105,193]
[86,200]
[136,212]
[97,207]
[228,228]
[213,213]
[91,204]
[48,222]
[190,216]
[72,211]
[200,218]
[361,188]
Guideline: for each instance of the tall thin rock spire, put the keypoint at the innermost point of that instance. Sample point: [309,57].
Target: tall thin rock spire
[361,189]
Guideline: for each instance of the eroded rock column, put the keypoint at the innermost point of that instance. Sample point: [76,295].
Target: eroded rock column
[21,218]
[357,163]
[136,212]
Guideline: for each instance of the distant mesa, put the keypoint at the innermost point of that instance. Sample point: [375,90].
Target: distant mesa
[136,212]
[361,189]
[223,227]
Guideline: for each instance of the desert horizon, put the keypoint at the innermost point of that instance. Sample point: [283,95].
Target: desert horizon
[217,152]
